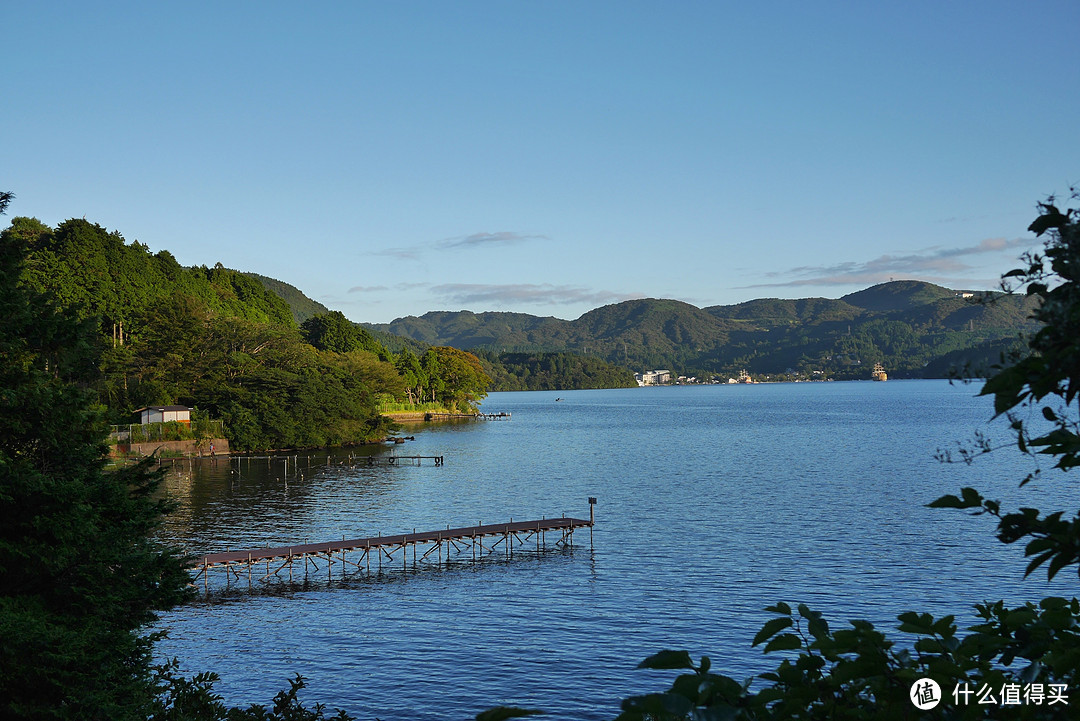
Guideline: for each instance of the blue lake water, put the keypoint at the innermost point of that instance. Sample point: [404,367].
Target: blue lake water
[713,502]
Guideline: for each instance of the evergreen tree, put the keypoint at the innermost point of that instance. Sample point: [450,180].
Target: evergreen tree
[79,577]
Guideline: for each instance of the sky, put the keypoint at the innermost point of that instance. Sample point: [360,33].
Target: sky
[390,159]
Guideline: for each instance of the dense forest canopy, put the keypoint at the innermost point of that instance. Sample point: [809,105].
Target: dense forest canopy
[552,371]
[301,306]
[218,340]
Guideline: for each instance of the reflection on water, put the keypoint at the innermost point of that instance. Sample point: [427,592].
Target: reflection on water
[714,502]
[228,587]
[242,501]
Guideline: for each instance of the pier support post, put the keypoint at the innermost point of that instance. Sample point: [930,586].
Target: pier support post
[592,504]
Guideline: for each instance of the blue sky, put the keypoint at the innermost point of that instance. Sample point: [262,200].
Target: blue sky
[394,158]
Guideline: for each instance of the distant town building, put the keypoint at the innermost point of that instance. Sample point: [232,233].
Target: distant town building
[653,378]
[164,414]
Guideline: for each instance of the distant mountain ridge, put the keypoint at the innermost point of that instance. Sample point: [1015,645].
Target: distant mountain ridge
[914,328]
[909,326]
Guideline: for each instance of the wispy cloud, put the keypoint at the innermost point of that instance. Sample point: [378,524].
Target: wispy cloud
[503,238]
[526,293]
[400,253]
[367,288]
[932,264]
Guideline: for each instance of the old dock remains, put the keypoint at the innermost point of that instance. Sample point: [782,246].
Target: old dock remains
[470,543]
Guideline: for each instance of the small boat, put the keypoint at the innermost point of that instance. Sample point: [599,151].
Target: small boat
[879,373]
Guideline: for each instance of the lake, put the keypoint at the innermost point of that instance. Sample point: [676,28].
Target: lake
[713,502]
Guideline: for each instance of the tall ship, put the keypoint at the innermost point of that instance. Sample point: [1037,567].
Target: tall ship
[879,373]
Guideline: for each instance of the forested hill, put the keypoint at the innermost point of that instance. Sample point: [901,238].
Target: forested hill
[552,371]
[87,267]
[914,328]
[217,340]
[301,306]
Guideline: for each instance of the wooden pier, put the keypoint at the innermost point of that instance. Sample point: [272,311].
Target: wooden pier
[444,545]
[308,460]
[469,416]
[400,460]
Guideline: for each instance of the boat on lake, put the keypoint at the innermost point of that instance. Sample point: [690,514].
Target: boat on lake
[879,373]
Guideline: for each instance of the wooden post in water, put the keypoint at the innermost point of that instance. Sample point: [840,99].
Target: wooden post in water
[592,504]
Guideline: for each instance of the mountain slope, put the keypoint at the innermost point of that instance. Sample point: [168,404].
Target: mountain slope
[301,306]
[906,325]
[897,295]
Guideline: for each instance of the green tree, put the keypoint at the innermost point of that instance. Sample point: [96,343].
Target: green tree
[80,577]
[461,377]
[334,332]
[412,374]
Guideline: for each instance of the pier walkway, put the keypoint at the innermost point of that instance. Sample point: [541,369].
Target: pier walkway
[399,460]
[472,416]
[453,542]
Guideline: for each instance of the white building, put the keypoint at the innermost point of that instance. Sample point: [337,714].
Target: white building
[164,414]
[653,378]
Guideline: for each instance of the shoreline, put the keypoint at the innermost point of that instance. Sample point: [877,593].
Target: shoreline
[406,416]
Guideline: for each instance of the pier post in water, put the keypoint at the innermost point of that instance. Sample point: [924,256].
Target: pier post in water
[592,504]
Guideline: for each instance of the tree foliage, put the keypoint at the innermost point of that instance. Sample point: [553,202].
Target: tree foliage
[552,371]
[80,577]
[456,378]
[334,332]
[218,340]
